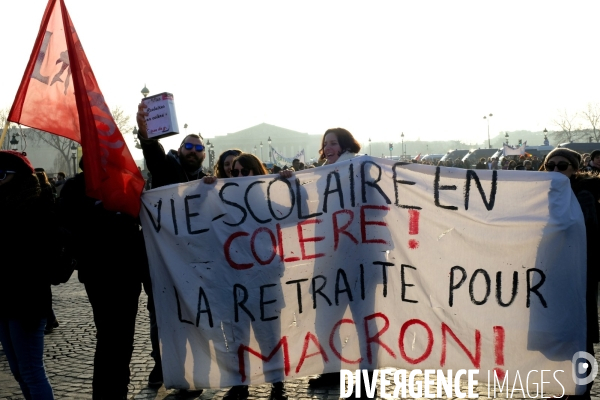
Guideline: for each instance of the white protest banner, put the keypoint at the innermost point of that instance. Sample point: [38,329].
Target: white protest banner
[513,151]
[368,263]
[279,159]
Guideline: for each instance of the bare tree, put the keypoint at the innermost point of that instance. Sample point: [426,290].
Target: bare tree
[3,116]
[568,131]
[592,117]
[121,119]
[60,164]
[63,145]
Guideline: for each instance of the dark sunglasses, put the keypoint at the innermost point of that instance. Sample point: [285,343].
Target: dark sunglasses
[4,174]
[236,172]
[189,146]
[561,165]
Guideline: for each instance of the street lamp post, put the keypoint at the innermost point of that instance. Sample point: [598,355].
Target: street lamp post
[402,149]
[211,156]
[14,142]
[255,151]
[546,142]
[145,91]
[270,152]
[506,136]
[135,138]
[207,148]
[488,122]
[261,156]
[74,157]
[370,148]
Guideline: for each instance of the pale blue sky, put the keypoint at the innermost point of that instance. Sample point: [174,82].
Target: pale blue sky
[430,69]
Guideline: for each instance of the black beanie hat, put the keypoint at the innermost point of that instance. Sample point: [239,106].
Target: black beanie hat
[14,161]
[571,155]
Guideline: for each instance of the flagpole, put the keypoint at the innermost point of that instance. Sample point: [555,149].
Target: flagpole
[4,133]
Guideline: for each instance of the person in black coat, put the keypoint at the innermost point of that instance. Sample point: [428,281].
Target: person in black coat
[25,296]
[111,259]
[586,187]
[176,166]
[48,198]
[481,164]
[166,168]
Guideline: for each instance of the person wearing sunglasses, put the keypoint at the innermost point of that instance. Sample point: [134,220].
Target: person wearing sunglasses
[167,168]
[586,187]
[245,165]
[25,296]
[176,166]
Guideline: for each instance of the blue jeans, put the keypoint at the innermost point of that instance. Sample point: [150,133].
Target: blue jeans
[23,343]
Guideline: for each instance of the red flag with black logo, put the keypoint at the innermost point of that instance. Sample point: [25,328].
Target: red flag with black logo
[59,94]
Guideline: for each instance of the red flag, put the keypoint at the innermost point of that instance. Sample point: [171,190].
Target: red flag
[59,94]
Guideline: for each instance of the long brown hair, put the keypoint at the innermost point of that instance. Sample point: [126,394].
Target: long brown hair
[345,140]
[220,167]
[251,162]
[42,177]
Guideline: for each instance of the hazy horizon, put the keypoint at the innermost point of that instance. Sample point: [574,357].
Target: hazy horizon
[429,70]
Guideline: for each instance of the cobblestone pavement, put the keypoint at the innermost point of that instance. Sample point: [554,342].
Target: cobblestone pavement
[69,352]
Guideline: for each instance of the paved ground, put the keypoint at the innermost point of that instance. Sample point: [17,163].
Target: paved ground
[70,349]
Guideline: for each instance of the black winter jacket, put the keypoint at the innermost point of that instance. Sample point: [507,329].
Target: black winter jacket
[27,247]
[109,245]
[587,190]
[165,168]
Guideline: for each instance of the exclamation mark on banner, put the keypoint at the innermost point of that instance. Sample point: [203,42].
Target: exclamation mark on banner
[413,228]
[499,351]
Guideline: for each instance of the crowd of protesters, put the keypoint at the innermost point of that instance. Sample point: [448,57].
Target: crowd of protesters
[590,162]
[26,300]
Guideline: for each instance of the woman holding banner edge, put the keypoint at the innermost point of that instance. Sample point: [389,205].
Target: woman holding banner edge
[248,165]
[243,165]
[337,145]
[586,187]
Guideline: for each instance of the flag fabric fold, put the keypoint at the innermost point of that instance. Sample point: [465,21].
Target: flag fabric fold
[60,95]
